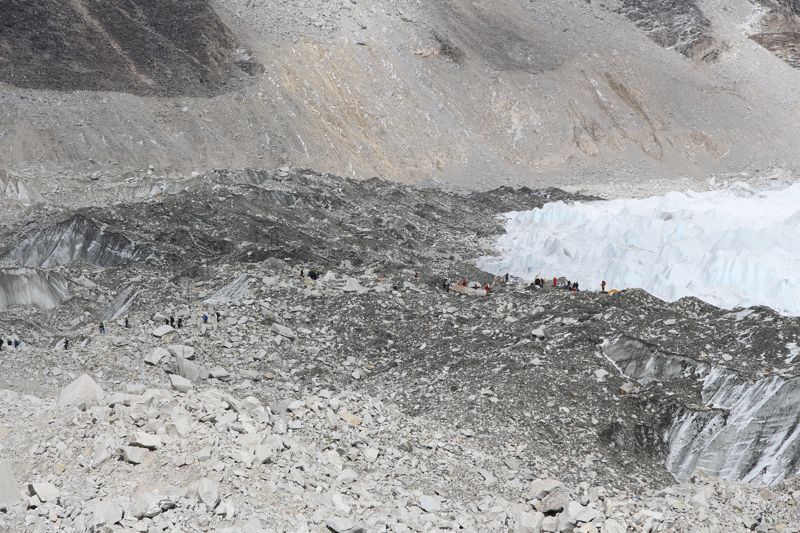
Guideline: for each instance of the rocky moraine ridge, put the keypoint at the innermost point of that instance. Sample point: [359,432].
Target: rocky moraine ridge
[367,399]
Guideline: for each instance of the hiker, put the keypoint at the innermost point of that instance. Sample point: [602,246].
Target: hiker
[555,281]
[180,322]
[166,321]
[487,288]
[312,274]
[66,344]
[205,318]
[603,286]
[507,277]
[302,272]
[172,321]
[102,328]
[126,323]
[217,317]
[577,287]
[445,285]
[16,344]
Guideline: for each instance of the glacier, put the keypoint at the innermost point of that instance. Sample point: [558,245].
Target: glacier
[745,429]
[733,247]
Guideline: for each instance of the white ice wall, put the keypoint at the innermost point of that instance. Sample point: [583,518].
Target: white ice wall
[732,247]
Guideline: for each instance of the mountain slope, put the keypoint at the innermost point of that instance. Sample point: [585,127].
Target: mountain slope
[570,93]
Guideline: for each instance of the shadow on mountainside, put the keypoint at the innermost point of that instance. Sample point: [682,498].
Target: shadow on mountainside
[143,47]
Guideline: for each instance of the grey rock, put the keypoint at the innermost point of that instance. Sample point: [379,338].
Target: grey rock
[530,522]
[612,525]
[149,504]
[82,391]
[106,513]
[156,356]
[102,451]
[180,383]
[181,350]
[189,370]
[343,525]
[133,455]
[9,489]
[282,330]
[46,492]
[163,331]
[430,504]
[206,491]
[144,440]
[555,501]
[539,488]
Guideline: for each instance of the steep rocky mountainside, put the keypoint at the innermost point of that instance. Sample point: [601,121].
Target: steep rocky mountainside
[472,94]
[144,47]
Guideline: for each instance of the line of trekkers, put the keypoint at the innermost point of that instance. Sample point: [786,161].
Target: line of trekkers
[539,283]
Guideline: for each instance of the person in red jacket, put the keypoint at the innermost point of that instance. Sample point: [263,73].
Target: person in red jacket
[555,281]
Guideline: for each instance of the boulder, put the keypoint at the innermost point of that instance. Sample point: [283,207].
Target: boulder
[554,502]
[181,350]
[102,451]
[9,489]
[106,513]
[180,383]
[579,513]
[263,453]
[149,504]
[133,454]
[342,525]
[206,491]
[180,426]
[219,373]
[430,504]
[163,331]
[142,439]
[540,488]
[46,492]
[530,522]
[282,330]
[612,525]
[189,370]
[82,391]
[156,356]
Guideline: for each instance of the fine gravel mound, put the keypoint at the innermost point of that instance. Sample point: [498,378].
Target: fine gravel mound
[144,47]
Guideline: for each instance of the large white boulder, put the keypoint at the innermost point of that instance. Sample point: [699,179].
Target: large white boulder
[162,331]
[82,391]
[9,490]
